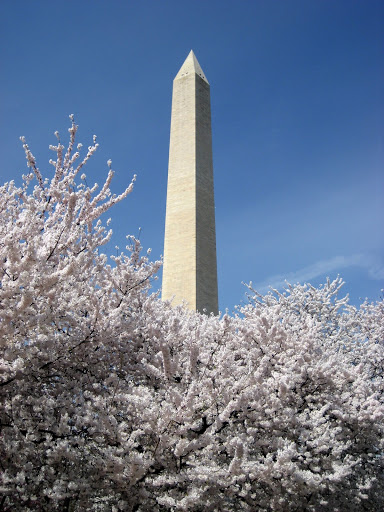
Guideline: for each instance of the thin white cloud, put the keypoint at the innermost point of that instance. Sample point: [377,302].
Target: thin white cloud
[373,266]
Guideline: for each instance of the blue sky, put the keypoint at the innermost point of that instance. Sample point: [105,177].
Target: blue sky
[297,117]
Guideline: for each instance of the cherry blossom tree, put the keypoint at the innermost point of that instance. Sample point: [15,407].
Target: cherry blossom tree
[113,400]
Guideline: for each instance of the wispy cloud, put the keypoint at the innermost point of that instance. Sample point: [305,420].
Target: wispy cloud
[374,267]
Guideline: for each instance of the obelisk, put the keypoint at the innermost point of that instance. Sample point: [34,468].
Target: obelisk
[190,269]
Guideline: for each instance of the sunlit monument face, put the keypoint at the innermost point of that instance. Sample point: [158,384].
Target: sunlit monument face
[190,270]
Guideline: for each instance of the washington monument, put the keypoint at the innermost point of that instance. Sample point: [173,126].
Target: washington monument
[190,269]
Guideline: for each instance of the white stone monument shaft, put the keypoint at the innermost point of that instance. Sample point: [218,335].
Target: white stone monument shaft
[190,269]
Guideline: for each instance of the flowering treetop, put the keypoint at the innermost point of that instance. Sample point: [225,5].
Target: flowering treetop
[114,400]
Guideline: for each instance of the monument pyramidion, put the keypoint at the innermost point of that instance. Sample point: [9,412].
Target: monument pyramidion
[190,268]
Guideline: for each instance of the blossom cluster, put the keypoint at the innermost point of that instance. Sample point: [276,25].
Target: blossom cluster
[113,400]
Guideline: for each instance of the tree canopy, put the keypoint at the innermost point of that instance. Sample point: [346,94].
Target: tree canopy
[113,400]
